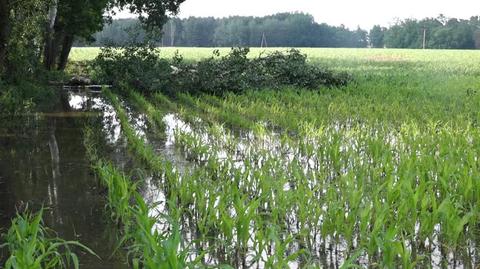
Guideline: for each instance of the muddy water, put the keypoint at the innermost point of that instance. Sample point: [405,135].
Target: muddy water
[43,162]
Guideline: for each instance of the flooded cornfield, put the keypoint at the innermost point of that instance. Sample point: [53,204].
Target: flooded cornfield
[261,179]
[219,191]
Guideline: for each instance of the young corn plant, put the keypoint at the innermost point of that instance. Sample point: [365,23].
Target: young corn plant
[30,245]
[154,115]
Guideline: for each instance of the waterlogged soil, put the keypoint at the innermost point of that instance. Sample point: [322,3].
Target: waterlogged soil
[43,163]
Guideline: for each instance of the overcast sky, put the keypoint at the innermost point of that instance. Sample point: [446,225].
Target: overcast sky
[351,13]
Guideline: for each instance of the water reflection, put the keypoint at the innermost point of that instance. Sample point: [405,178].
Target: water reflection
[330,251]
[43,162]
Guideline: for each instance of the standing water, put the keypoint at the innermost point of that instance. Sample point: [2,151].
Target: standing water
[43,163]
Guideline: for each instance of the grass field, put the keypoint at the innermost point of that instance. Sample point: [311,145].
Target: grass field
[382,173]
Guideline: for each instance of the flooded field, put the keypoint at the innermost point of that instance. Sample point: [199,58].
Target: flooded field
[243,197]
[383,173]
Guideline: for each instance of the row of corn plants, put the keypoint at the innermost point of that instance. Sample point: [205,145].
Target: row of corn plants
[325,193]
[385,196]
[197,208]
[147,244]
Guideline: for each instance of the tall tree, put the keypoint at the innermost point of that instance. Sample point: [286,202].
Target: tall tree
[75,18]
[30,27]
[21,36]
[405,34]
[82,18]
[49,49]
[4,31]
[152,13]
[376,36]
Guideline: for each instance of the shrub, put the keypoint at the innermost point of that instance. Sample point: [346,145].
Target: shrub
[291,68]
[138,66]
[25,96]
[235,72]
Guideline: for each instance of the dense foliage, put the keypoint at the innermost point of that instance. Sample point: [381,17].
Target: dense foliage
[140,67]
[143,69]
[34,31]
[24,97]
[37,36]
[21,38]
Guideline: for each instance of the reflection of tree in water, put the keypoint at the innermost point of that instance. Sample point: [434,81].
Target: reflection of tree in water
[43,163]
[52,182]
[12,148]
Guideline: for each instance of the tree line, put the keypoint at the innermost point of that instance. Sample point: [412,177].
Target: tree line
[279,30]
[295,30]
[436,33]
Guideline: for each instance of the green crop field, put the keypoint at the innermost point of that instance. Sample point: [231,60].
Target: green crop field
[382,173]
[467,57]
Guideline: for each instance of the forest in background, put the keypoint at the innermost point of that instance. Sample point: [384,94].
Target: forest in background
[295,30]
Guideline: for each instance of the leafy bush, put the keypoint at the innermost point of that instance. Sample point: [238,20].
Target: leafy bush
[24,96]
[142,68]
[235,72]
[139,66]
[292,69]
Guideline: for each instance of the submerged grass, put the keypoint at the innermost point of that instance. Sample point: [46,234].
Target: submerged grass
[135,143]
[155,116]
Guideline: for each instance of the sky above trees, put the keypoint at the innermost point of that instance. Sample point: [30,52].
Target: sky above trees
[351,13]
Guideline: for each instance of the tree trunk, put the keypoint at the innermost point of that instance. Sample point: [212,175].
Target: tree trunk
[4,32]
[66,48]
[49,52]
[172,33]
